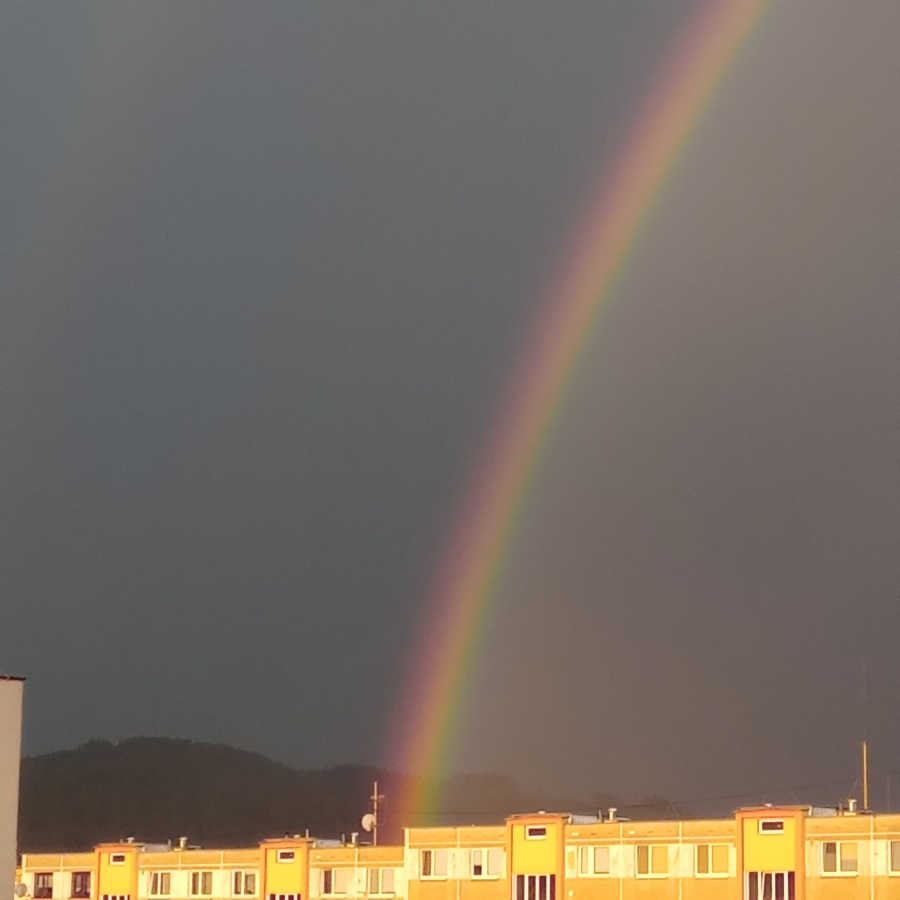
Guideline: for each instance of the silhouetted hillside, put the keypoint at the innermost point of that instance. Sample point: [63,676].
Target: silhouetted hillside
[156,789]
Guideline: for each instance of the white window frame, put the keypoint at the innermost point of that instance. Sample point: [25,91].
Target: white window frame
[434,853]
[586,861]
[487,873]
[117,859]
[158,877]
[200,876]
[535,832]
[285,856]
[375,876]
[709,849]
[840,871]
[331,875]
[652,850]
[44,876]
[90,880]
[890,857]
[239,882]
[770,826]
[541,884]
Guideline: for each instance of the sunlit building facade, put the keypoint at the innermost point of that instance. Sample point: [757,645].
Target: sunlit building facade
[766,853]
[10,754]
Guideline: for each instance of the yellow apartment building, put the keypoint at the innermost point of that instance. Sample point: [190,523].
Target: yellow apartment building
[764,853]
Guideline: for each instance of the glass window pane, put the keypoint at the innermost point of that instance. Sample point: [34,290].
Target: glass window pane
[601,860]
[494,861]
[643,859]
[703,859]
[660,860]
[848,856]
[440,862]
[720,859]
[387,881]
[829,856]
[520,887]
[895,856]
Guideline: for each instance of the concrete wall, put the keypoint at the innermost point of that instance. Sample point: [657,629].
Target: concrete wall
[10,755]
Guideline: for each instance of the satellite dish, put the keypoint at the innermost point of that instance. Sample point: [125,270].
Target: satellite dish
[21,890]
[367,822]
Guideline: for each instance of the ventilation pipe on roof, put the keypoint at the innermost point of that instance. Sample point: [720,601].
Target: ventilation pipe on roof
[612,813]
[182,842]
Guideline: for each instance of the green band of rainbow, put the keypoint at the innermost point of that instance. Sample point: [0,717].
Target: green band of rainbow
[472,568]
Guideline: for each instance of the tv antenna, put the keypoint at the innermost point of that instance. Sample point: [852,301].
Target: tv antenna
[369,821]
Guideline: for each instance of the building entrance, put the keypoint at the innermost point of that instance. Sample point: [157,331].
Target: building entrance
[535,887]
[769,886]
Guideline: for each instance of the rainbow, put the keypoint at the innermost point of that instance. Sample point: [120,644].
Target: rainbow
[472,568]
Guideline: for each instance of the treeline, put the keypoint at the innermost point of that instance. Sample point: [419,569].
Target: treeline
[157,789]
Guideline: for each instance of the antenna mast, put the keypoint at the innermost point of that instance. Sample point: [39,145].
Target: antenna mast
[375,798]
[865,741]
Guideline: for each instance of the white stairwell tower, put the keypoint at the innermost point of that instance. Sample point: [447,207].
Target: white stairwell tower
[10,756]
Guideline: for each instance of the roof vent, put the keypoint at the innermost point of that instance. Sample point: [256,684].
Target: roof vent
[612,813]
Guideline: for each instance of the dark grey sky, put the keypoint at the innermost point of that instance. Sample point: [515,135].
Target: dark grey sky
[265,271]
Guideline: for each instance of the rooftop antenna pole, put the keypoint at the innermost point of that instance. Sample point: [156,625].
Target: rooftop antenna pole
[375,798]
[865,743]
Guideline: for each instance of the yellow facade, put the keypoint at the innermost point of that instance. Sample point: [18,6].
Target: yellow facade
[768,853]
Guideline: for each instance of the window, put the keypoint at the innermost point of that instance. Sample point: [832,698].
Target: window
[285,856]
[334,882]
[43,884]
[285,896]
[434,863]
[771,826]
[160,884]
[652,860]
[117,859]
[536,832]
[201,884]
[839,858]
[487,863]
[243,883]
[81,884]
[894,858]
[769,886]
[535,887]
[593,860]
[712,859]
[380,882]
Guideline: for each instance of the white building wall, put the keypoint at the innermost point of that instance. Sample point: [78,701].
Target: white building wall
[10,756]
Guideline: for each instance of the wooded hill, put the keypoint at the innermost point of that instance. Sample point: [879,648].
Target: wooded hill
[156,789]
